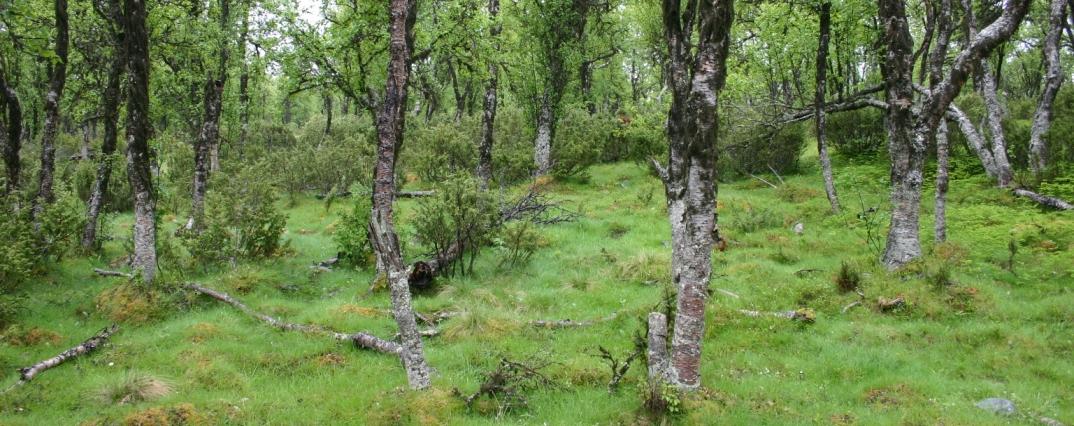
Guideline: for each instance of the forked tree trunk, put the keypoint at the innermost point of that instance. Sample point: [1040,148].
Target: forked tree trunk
[907,136]
[207,145]
[1053,79]
[144,261]
[695,77]
[110,115]
[12,134]
[390,126]
[488,119]
[542,144]
[822,74]
[57,76]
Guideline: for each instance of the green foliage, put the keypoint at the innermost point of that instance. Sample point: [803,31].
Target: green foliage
[753,219]
[579,142]
[848,278]
[459,217]
[442,149]
[512,152]
[62,223]
[18,258]
[746,152]
[518,241]
[637,137]
[241,219]
[857,133]
[352,233]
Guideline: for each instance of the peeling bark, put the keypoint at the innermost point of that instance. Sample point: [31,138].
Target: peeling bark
[696,74]
[1053,79]
[818,106]
[390,127]
[57,76]
[136,36]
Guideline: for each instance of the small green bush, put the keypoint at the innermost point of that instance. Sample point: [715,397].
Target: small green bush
[460,213]
[580,139]
[857,133]
[351,234]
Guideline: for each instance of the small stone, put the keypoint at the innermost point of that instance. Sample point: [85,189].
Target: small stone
[1048,421]
[799,228]
[997,406]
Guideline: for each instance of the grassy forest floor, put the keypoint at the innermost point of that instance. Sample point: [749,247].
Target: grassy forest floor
[973,327]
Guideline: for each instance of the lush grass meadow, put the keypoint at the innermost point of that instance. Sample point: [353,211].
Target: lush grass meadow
[973,327]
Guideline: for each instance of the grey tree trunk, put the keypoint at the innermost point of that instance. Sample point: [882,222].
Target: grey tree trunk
[994,118]
[110,115]
[907,136]
[822,74]
[488,119]
[390,126]
[12,135]
[1053,79]
[940,209]
[542,144]
[57,76]
[695,77]
[207,144]
[144,260]
[244,80]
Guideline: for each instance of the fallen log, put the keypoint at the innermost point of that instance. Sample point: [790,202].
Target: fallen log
[803,315]
[435,317]
[569,323]
[87,346]
[1044,200]
[360,339]
[107,273]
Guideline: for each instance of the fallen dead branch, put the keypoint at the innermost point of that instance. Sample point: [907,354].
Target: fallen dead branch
[437,317]
[107,273]
[728,293]
[619,367]
[804,315]
[851,305]
[569,323]
[87,346]
[1044,200]
[506,383]
[360,339]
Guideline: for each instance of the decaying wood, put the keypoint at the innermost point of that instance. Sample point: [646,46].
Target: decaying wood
[360,339]
[851,305]
[619,367]
[436,317]
[569,323]
[89,345]
[657,348]
[803,315]
[507,381]
[1043,200]
[887,305]
[107,273]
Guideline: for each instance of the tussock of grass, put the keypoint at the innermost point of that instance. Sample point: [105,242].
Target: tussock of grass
[133,388]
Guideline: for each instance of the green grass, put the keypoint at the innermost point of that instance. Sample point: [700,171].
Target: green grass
[1011,335]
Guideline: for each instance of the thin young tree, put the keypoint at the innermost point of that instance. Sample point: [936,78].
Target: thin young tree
[1053,79]
[488,118]
[57,79]
[696,71]
[12,129]
[818,105]
[136,41]
[390,127]
[111,13]
[207,144]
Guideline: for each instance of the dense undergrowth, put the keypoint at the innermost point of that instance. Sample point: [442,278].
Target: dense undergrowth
[979,322]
